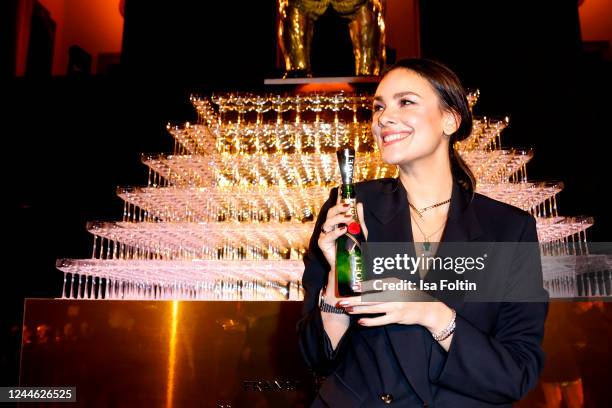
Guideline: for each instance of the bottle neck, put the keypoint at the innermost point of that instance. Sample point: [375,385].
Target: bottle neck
[347,191]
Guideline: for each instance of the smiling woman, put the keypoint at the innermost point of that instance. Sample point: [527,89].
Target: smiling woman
[429,97]
[443,353]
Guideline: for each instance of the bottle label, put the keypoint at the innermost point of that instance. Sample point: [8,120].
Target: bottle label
[351,244]
[349,265]
[355,259]
[357,268]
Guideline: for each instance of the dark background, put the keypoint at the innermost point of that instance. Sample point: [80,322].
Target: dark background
[69,141]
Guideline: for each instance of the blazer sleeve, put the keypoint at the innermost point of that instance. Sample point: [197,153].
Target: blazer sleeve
[314,343]
[502,366]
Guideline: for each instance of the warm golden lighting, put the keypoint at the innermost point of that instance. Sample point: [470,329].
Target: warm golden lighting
[325,87]
[229,213]
[172,355]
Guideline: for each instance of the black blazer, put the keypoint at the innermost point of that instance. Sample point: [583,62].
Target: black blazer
[495,356]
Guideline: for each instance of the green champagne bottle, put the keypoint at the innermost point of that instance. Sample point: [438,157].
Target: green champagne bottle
[349,260]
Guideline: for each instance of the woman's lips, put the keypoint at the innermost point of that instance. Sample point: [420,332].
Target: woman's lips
[394,137]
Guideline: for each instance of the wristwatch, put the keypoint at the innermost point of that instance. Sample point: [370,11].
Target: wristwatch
[327,308]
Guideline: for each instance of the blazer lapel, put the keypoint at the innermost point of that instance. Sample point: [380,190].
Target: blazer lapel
[386,209]
[387,215]
[387,219]
[462,226]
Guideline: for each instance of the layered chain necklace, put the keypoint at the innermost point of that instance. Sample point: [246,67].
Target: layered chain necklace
[426,244]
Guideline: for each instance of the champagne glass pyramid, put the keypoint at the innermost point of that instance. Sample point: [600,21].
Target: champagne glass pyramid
[229,213]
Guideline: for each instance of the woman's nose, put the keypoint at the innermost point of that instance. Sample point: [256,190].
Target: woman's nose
[386,118]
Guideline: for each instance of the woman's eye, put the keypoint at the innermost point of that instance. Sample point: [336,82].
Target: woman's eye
[406,102]
[377,108]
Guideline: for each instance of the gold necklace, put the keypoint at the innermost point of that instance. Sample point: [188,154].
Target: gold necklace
[427,244]
[422,210]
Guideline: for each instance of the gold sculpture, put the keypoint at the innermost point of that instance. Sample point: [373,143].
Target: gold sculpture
[366,27]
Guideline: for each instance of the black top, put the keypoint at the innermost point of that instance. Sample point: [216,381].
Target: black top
[495,356]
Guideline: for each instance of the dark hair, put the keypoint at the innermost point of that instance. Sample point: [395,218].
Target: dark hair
[453,99]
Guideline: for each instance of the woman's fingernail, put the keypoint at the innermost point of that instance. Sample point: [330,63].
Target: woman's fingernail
[349,309]
[343,303]
[356,288]
[360,321]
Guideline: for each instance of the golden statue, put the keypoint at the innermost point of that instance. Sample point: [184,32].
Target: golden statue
[367,30]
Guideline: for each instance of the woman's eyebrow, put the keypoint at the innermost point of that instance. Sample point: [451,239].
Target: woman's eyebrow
[400,94]
[378,98]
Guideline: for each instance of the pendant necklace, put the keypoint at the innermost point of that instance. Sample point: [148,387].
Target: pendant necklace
[427,244]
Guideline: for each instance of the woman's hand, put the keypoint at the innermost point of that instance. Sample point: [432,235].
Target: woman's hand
[334,226]
[434,316]
[419,308]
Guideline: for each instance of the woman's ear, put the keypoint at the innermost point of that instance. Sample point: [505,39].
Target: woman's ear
[451,123]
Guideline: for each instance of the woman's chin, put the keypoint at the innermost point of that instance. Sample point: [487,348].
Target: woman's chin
[394,158]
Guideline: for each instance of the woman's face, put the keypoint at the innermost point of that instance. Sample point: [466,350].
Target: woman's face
[407,121]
